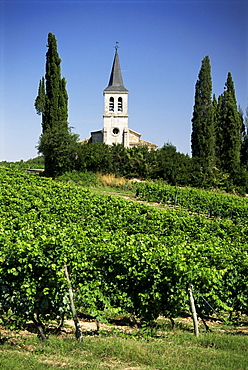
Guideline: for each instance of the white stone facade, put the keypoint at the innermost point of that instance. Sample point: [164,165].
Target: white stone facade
[115,118]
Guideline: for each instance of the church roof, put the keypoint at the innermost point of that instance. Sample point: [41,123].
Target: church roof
[115,80]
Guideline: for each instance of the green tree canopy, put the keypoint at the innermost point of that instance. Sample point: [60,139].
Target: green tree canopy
[202,138]
[57,143]
[228,129]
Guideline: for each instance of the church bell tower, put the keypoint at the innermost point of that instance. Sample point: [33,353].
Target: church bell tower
[115,117]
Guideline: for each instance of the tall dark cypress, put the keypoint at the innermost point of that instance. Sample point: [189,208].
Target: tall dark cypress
[244,145]
[57,99]
[56,142]
[219,135]
[41,98]
[228,130]
[202,137]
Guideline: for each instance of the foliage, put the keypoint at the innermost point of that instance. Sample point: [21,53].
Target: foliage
[218,139]
[172,166]
[32,163]
[244,144]
[228,129]
[202,138]
[57,143]
[164,164]
[40,101]
[60,149]
[95,158]
[120,254]
[79,178]
[217,205]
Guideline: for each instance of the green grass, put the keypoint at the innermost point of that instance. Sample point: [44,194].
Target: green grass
[174,349]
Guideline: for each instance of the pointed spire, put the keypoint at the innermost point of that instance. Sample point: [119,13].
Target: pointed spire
[115,81]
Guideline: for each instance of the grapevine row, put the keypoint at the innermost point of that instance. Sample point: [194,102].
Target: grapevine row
[212,204]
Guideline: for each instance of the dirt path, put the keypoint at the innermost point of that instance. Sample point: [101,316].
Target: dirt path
[128,196]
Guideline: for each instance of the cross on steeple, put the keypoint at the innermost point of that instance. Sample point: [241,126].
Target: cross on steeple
[115,80]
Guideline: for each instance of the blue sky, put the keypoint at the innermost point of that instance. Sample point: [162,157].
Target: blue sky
[162,44]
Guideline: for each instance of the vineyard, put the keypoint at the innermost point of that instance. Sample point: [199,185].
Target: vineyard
[215,205]
[121,255]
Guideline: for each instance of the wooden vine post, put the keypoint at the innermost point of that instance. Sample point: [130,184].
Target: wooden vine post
[193,310]
[73,310]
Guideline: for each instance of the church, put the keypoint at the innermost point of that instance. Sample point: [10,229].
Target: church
[115,117]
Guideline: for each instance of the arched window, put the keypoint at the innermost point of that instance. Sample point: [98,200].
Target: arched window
[111,104]
[119,104]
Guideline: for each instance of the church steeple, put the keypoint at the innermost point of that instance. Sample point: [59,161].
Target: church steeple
[115,116]
[115,113]
[115,80]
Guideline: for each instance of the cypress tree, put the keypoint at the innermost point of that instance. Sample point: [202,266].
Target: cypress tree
[56,143]
[56,105]
[219,136]
[41,98]
[202,137]
[243,128]
[244,145]
[228,129]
